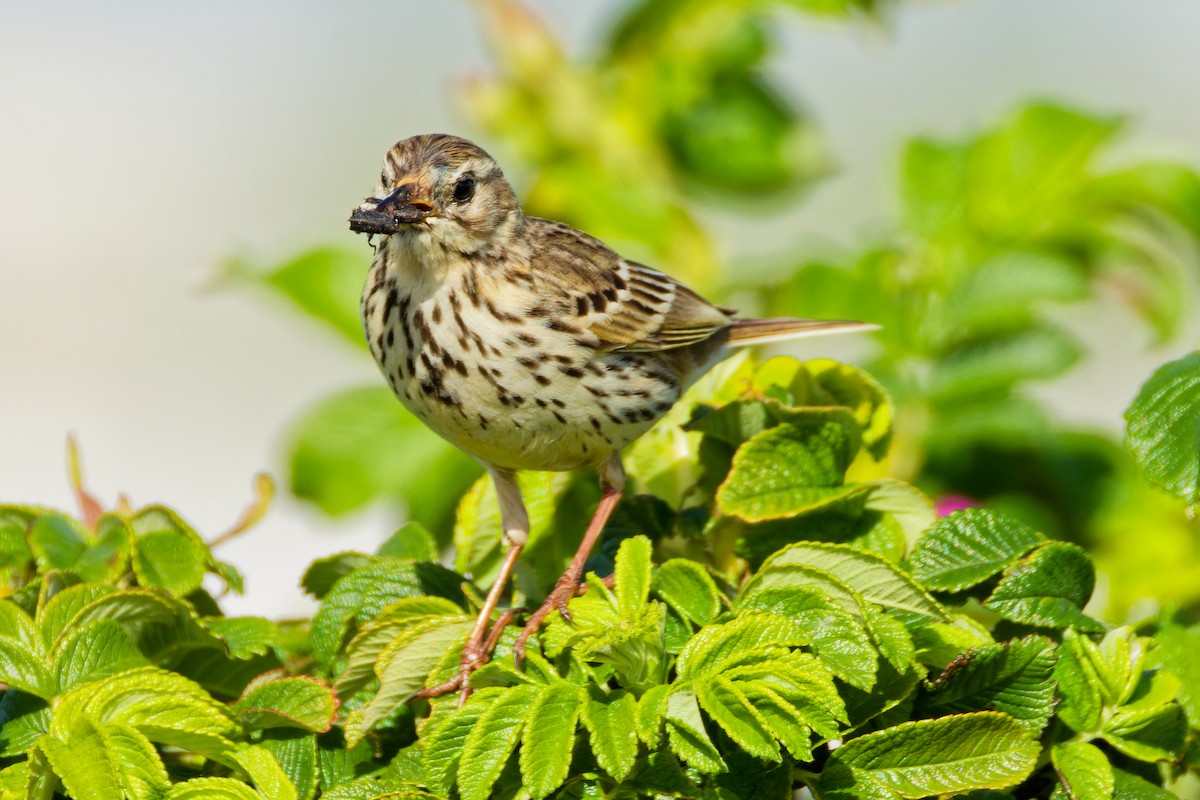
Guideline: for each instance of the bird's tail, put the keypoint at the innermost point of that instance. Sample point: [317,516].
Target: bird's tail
[760,331]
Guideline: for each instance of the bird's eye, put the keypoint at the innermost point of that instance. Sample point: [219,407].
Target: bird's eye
[464,190]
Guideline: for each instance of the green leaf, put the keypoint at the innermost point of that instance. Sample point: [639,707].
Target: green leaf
[950,755]
[371,640]
[83,762]
[360,446]
[651,710]
[57,541]
[212,789]
[162,626]
[875,579]
[170,561]
[1083,770]
[24,719]
[853,389]
[15,554]
[933,178]
[96,650]
[611,721]
[796,576]
[547,745]
[492,740]
[783,720]
[13,780]
[337,763]
[892,638]
[296,753]
[261,768]
[245,636]
[378,787]
[1117,662]
[789,470]
[403,667]
[300,702]
[40,781]
[1164,441]
[413,541]
[168,553]
[323,573]
[1077,674]
[54,615]
[1003,291]
[939,643]
[1177,651]
[990,365]
[22,653]
[840,638]
[685,731]
[1048,588]
[794,679]
[164,706]
[728,706]
[108,556]
[898,514]
[631,578]
[1027,172]
[715,645]
[1151,734]
[102,761]
[967,547]
[1127,786]
[1014,677]
[446,736]
[688,589]
[361,595]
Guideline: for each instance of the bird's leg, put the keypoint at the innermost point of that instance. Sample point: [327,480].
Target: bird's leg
[612,481]
[515,521]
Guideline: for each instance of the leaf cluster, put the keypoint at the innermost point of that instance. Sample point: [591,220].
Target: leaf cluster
[780,622]
[999,231]
[123,679]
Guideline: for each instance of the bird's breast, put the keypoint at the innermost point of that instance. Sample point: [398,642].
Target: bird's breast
[514,388]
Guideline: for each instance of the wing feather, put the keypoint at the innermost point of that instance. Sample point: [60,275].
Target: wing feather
[624,305]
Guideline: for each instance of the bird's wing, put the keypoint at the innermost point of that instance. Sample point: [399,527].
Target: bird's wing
[626,306]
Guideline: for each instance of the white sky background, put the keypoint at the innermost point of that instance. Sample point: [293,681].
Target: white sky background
[141,143]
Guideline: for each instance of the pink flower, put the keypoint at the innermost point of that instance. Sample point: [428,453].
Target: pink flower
[949,503]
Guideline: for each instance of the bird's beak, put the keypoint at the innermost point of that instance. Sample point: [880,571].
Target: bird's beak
[407,203]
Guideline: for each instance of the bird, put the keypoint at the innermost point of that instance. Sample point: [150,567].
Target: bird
[526,343]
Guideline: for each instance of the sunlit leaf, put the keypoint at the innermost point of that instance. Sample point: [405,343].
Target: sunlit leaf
[950,755]
[1166,442]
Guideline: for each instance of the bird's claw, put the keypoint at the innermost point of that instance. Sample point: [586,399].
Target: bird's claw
[565,589]
[474,655]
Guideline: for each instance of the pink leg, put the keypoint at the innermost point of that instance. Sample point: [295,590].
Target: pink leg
[613,481]
[475,652]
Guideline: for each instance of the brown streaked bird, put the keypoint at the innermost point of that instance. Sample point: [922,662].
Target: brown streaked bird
[526,343]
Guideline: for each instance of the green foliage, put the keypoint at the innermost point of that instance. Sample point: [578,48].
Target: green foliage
[124,680]
[685,120]
[785,609]
[891,656]
[1000,229]
[1165,440]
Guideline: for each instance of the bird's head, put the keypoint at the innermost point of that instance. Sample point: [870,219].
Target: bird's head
[443,190]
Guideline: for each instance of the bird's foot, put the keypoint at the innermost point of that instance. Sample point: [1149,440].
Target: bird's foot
[567,587]
[474,655]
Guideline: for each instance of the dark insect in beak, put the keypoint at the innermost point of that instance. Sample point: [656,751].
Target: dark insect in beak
[389,213]
[365,220]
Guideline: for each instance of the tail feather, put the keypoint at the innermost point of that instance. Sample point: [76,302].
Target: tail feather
[760,331]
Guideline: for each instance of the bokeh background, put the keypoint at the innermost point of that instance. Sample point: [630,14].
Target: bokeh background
[154,158]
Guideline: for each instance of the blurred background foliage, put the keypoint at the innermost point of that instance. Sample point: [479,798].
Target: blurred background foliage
[675,119]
